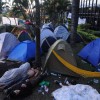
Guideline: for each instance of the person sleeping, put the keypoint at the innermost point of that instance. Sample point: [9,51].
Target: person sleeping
[14,75]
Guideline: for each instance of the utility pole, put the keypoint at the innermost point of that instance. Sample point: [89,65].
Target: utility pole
[74,24]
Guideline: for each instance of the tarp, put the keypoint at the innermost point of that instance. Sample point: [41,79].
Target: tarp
[25,51]
[61,32]
[76,92]
[91,53]
[7,42]
[8,20]
[69,15]
[81,21]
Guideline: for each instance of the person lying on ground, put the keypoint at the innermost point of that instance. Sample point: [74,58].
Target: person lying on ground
[14,75]
[22,90]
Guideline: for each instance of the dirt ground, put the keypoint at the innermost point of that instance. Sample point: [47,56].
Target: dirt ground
[36,95]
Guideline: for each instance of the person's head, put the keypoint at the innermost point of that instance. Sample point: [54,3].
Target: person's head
[31,72]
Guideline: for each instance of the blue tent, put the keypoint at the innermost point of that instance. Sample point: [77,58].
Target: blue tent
[91,53]
[25,51]
[24,35]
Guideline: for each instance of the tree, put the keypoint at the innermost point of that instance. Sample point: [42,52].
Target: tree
[0,10]
[37,30]
[19,7]
[74,24]
[55,6]
[0,6]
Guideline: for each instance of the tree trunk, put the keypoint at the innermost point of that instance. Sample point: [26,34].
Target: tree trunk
[0,11]
[37,30]
[0,6]
[74,24]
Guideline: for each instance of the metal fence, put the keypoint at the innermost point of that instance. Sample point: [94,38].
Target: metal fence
[90,9]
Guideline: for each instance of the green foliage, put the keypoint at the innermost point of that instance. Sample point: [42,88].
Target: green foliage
[85,32]
[97,33]
[83,26]
[55,6]
[87,35]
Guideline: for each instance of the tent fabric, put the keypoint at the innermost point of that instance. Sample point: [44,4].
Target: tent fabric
[25,51]
[64,61]
[63,49]
[48,25]
[45,33]
[24,35]
[81,72]
[91,53]
[7,42]
[47,43]
[61,32]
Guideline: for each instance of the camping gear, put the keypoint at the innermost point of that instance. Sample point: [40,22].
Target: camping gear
[61,32]
[64,50]
[30,28]
[47,43]
[48,26]
[76,92]
[91,53]
[60,59]
[7,42]
[46,34]
[24,35]
[25,51]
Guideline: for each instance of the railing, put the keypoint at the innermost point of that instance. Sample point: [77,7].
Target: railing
[90,9]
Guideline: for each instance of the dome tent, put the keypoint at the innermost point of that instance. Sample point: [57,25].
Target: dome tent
[91,53]
[7,42]
[25,51]
[64,61]
[61,32]
[24,35]
[46,36]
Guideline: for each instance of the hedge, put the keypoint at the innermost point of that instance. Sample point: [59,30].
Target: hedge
[87,35]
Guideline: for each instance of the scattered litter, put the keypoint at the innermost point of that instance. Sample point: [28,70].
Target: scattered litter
[2,61]
[46,83]
[43,87]
[95,80]
[56,74]
[46,88]
[58,82]
[83,61]
[43,93]
[53,74]
[69,81]
[92,81]
[66,81]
